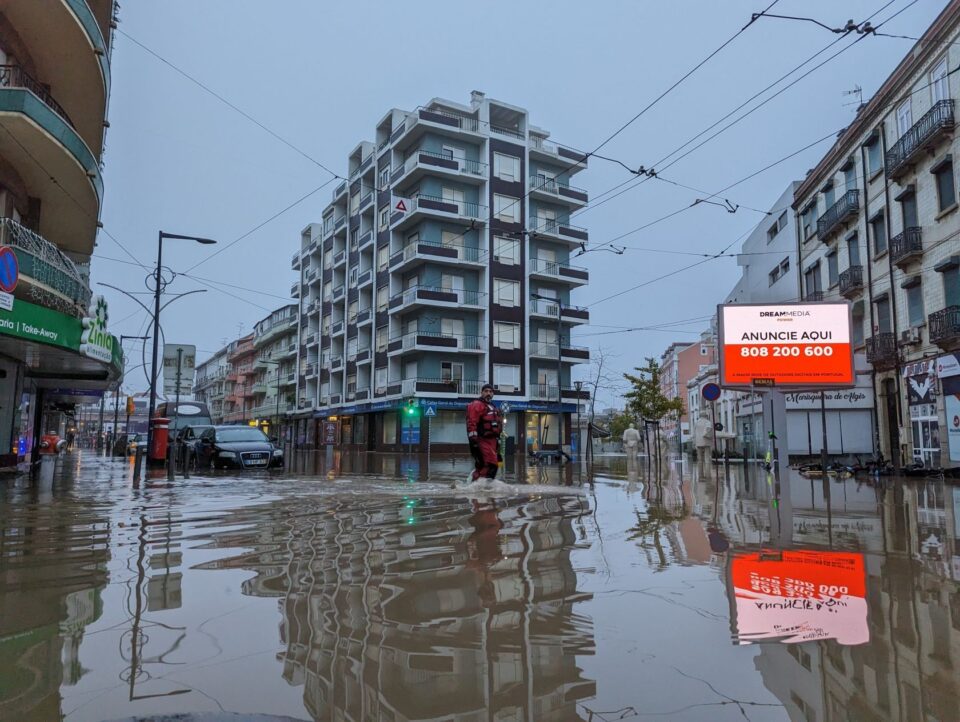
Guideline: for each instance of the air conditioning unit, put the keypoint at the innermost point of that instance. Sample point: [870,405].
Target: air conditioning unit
[910,337]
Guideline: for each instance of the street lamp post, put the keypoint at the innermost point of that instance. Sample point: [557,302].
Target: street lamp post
[579,385]
[540,297]
[157,292]
[116,393]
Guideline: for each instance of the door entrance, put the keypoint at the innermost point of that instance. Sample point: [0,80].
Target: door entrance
[893,420]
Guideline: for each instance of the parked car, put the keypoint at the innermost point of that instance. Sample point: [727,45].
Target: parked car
[237,447]
[188,438]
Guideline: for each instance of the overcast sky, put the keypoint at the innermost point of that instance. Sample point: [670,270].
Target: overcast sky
[320,74]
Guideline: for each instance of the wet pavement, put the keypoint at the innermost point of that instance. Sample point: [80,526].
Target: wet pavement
[365,588]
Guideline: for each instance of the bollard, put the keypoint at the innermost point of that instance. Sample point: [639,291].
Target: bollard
[171,462]
[186,461]
[137,461]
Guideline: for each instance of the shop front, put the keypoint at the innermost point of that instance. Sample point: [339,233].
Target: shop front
[948,373]
[920,380]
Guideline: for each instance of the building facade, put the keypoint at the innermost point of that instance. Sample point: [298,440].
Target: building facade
[54,89]
[210,386]
[681,362]
[878,225]
[238,390]
[442,263]
[274,367]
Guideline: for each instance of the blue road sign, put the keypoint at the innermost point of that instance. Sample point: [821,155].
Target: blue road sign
[9,270]
[711,392]
[429,408]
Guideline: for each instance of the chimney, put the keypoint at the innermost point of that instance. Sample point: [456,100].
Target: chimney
[476,98]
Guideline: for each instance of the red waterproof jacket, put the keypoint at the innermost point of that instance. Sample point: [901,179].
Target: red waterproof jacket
[483,420]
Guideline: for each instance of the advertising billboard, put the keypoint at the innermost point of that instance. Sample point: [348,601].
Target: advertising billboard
[791,345]
[799,596]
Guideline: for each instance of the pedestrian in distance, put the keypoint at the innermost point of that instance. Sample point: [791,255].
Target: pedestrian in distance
[484,426]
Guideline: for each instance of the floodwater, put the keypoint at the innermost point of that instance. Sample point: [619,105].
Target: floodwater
[365,588]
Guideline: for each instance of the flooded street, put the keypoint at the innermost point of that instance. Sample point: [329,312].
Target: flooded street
[365,588]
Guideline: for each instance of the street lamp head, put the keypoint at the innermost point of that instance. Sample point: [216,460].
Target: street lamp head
[578,385]
[177,236]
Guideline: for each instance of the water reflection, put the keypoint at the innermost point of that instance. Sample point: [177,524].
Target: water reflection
[415,610]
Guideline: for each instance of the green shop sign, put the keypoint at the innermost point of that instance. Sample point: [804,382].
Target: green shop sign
[36,323]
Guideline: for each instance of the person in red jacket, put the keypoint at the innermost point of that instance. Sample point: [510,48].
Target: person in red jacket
[484,426]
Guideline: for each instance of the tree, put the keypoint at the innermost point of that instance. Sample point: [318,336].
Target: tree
[620,423]
[600,379]
[646,400]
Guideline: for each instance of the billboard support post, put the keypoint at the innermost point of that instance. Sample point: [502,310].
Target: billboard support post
[823,431]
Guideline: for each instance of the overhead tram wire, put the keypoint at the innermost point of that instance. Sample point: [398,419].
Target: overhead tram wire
[229,104]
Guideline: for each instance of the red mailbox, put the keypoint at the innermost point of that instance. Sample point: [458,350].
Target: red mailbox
[161,437]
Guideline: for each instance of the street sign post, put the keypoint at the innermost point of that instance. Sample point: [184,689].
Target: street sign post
[179,369]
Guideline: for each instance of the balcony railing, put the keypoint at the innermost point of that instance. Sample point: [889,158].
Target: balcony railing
[906,246]
[851,281]
[13,76]
[434,251]
[442,162]
[882,350]
[433,294]
[543,392]
[836,215]
[565,231]
[945,326]
[57,282]
[509,132]
[559,190]
[464,209]
[813,296]
[461,387]
[438,341]
[934,122]
[545,146]
[558,270]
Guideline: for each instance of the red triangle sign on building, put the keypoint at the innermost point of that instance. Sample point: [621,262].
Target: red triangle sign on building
[401,206]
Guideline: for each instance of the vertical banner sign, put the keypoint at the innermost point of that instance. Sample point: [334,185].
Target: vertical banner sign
[804,345]
[799,596]
[188,362]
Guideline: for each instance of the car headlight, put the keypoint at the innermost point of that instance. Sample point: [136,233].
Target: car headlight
[227,455]
[277,452]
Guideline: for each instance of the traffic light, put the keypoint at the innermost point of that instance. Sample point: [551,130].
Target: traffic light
[130,406]
[412,409]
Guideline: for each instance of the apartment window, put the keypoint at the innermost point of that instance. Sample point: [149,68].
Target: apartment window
[946,188]
[380,378]
[811,279]
[506,293]
[883,314]
[412,238]
[904,117]
[829,195]
[506,378]
[451,371]
[506,208]
[506,251]
[325,326]
[704,350]
[874,159]
[384,178]
[908,208]
[878,230]
[809,220]
[833,269]
[383,297]
[772,232]
[506,167]
[779,271]
[383,258]
[328,260]
[914,301]
[506,335]
[382,338]
[850,176]
[782,221]
[951,281]
[354,203]
[384,218]
[354,272]
[857,319]
[327,291]
[938,82]
[853,250]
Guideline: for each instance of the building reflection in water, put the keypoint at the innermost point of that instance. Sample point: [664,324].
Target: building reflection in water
[439,609]
[907,534]
[53,568]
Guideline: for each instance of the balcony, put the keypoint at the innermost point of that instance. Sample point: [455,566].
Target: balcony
[365,240]
[813,296]
[337,328]
[338,293]
[365,277]
[53,280]
[295,290]
[443,297]
[543,149]
[295,261]
[549,189]
[543,392]
[422,252]
[364,316]
[550,350]
[455,387]
[260,387]
[882,351]
[434,341]
[935,123]
[339,258]
[560,231]
[558,271]
[851,281]
[944,327]
[568,314]
[423,206]
[422,163]
[436,121]
[906,246]
[837,215]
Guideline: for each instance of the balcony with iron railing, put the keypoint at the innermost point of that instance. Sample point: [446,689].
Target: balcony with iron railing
[851,281]
[13,76]
[882,351]
[935,124]
[836,216]
[426,251]
[568,314]
[424,119]
[424,162]
[417,296]
[436,341]
[554,190]
[575,160]
[813,296]
[558,271]
[944,327]
[551,350]
[458,387]
[421,206]
[53,280]
[906,246]
[559,230]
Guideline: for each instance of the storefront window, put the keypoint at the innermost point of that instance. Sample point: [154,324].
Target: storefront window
[389,427]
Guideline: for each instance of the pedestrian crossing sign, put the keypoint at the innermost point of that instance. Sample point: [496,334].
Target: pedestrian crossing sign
[429,410]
